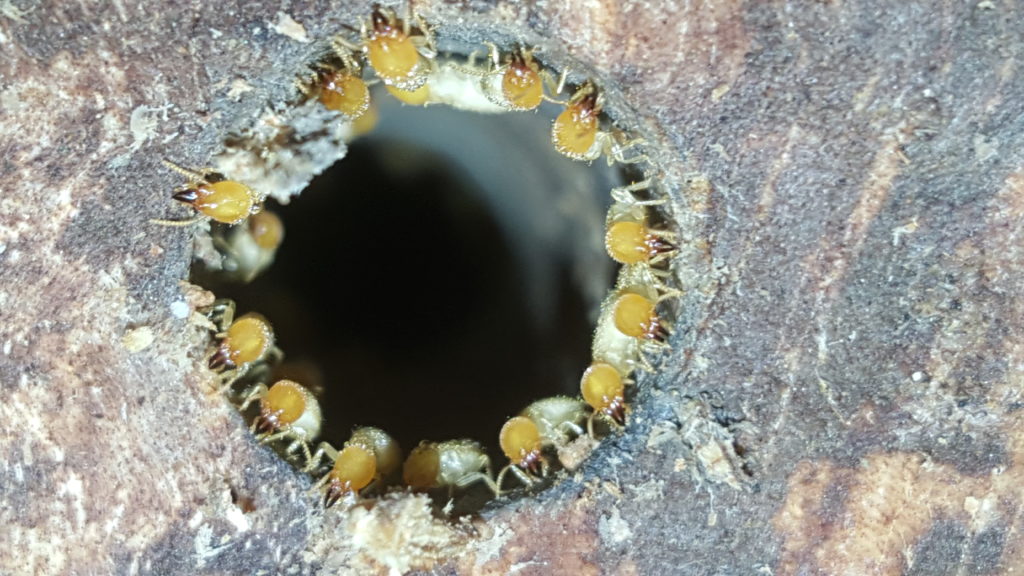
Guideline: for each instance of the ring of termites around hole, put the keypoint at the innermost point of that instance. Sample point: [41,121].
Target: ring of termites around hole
[644,308]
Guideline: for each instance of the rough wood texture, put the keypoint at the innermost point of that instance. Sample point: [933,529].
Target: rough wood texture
[844,396]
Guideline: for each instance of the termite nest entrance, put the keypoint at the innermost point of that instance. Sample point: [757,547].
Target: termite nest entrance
[441,277]
[444,278]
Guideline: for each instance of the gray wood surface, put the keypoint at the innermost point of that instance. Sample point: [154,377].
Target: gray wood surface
[844,393]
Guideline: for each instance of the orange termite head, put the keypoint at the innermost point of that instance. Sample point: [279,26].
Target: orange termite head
[247,340]
[422,467]
[575,130]
[354,469]
[225,201]
[521,84]
[344,91]
[521,442]
[603,388]
[391,52]
[636,316]
[283,404]
[632,243]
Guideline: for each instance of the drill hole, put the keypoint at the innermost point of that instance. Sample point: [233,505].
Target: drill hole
[441,277]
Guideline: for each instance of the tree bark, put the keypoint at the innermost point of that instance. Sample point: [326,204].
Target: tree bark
[843,394]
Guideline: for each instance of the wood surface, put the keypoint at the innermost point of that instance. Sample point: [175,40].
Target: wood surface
[844,392]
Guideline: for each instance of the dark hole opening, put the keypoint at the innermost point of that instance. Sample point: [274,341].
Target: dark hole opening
[406,299]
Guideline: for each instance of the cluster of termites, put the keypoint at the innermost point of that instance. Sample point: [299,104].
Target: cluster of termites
[402,55]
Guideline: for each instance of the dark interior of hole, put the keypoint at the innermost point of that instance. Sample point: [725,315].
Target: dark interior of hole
[396,296]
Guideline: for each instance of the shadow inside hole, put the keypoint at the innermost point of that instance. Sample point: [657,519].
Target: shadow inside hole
[411,297]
